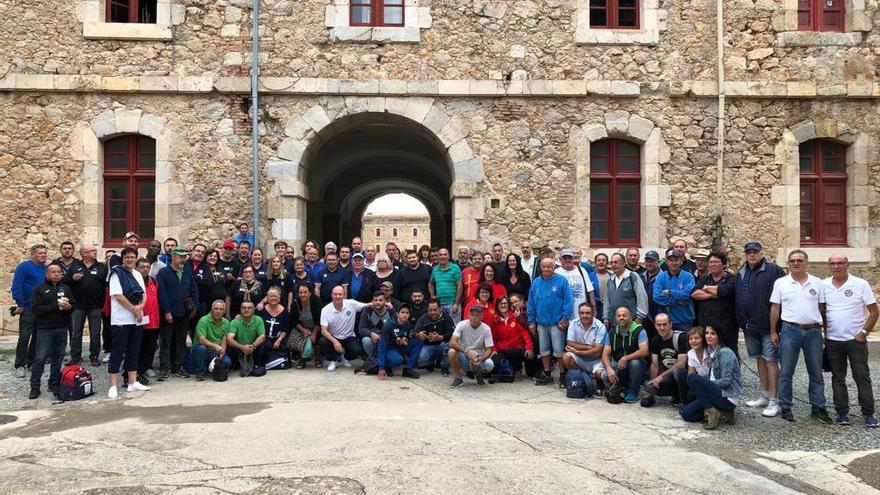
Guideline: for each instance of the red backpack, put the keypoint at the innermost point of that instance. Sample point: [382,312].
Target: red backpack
[75,384]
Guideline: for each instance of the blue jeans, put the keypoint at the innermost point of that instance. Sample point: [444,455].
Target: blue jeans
[369,346]
[413,349]
[431,354]
[633,375]
[707,395]
[204,354]
[51,344]
[456,317]
[791,340]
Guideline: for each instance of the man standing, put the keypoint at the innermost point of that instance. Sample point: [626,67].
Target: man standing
[28,274]
[313,265]
[464,257]
[393,253]
[471,275]
[178,300]
[357,245]
[330,247]
[244,234]
[799,300]
[211,332]
[339,341]
[754,284]
[624,289]
[226,262]
[331,277]
[549,309]
[600,261]
[445,284]
[582,290]
[370,262]
[716,306]
[652,269]
[169,244]
[632,261]
[345,257]
[204,279]
[668,371]
[434,329]
[52,303]
[244,257]
[66,259]
[591,274]
[87,279]
[414,276]
[471,347]
[686,263]
[672,292]
[156,257]
[397,341]
[498,258]
[846,299]
[528,259]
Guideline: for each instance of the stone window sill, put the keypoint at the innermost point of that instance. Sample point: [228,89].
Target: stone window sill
[126,31]
[815,38]
[364,34]
[618,37]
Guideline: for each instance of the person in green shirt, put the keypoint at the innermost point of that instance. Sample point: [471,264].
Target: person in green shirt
[445,284]
[211,333]
[245,339]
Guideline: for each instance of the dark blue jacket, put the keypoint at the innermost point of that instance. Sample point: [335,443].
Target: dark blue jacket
[174,292]
[753,289]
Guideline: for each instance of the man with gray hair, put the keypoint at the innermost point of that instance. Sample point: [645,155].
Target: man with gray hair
[464,257]
[28,274]
[87,279]
[624,289]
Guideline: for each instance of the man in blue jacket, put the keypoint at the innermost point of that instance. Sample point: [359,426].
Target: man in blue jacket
[754,284]
[28,274]
[178,300]
[549,310]
[672,292]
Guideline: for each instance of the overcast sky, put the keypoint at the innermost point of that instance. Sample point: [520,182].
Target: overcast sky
[396,204]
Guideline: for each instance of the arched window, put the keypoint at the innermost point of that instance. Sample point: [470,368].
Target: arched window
[823,193]
[615,183]
[129,187]
[136,11]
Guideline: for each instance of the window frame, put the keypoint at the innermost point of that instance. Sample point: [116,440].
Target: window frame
[612,15]
[378,232]
[377,13]
[133,176]
[819,180]
[816,10]
[613,177]
[394,232]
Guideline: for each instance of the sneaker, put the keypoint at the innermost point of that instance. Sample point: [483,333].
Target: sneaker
[444,371]
[771,410]
[163,375]
[410,373]
[143,380]
[480,380]
[151,373]
[35,393]
[181,373]
[760,402]
[821,415]
[19,372]
[106,358]
[200,377]
[713,418]
[112,393]
[456,383]
[787,415]
[331,366]
[389,371]
[346,363]
[676,402]
[871,421]
[137,387]
[630,397]
[544,380]
[94,362]
[648,401]
[842,419]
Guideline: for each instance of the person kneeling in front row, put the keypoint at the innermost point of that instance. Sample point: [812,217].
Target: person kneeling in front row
[471,347]
[716,395]
[395,341]
[245,340]
[211,332]
[624,359]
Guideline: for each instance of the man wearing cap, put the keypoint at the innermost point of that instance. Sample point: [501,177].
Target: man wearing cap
[632,261]
[371,321]
[652,269]
[672,292]
[582,290]
[178,300]
[131,239]
[798,301]
[471,346]
[226,262]
[624,288]
[339,341]
[445,284]
[28,274]
[362,282]
[549,309]
[754,284]
[686,264]
[387,288]
[846,299]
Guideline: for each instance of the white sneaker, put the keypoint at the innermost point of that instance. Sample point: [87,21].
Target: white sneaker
[137,387]
[112,393]
[331,366]
[771,410]
[106,358]
[346,363]
[20,372]
[151,373]
[761,402]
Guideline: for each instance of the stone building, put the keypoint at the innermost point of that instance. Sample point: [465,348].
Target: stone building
[602,126]
[407,231]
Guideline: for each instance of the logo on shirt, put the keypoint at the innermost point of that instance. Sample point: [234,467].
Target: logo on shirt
[812,292]
[847,293]
[552,289]
[348,313]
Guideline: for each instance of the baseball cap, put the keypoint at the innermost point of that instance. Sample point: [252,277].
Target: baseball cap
[672,253]
[179,251]
[566,252]
[652,255]
[357,255]
[387,284]
[228,245]
[477,308]
[131,234]
[753,246]
[701,253]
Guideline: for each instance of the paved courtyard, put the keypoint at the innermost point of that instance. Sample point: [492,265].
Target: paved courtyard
[312,431]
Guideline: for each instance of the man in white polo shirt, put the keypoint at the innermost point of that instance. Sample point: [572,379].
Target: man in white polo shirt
[846,298]
[339,341]
[799,300]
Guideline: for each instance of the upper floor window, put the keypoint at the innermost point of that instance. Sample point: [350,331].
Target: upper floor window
[614,14]
[823,193]
[138,11]
[820,15]
[129,187]
[378,232]
[615,185]
[376,12]
[415,232]
[394,232]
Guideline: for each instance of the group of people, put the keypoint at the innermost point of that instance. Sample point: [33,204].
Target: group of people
[644,327]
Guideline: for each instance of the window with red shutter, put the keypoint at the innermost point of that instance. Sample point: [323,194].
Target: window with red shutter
[823,193]
[614,14]
[135,11]
[615,185]
[129,187]
[376,13]
[821,15]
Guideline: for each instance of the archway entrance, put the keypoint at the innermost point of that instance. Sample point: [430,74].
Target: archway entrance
[398,218]
[358,158]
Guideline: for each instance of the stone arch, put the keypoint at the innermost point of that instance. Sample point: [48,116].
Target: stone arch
[86,146]
[632,127]
[304,133]
[858,192]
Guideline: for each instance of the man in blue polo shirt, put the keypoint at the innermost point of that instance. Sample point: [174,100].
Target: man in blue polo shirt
[672,292]
[28,274]
[331,277]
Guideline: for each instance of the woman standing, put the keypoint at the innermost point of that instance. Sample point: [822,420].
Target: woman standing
[151,325]
[308,323]
[715,395]
[514,278]
[248,288]
[512,339]
[127,301]
[425,254]
[260,268]
[300,276]
[384,269]
[218,286]
[278,277]
[487,276]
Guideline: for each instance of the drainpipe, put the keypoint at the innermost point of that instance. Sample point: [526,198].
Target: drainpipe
[719,181]
[255,117]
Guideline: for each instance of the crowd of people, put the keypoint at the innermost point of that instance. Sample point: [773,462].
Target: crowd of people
[658,326]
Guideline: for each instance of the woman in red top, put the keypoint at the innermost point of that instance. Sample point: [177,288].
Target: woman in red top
[512,340]
[485,299]
[151,326]
[488,276]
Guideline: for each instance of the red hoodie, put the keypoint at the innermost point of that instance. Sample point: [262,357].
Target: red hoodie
[509,333]
[151,308]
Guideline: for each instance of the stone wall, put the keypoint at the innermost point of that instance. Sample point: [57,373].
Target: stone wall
[404,225]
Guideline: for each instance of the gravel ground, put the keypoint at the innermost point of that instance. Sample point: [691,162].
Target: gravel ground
[752,431]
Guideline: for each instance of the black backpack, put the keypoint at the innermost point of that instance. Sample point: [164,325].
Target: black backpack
[614,394]
[370,367]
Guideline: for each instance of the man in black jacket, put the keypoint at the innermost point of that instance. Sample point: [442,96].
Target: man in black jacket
[434,329]
[178,300]
[52,303]
[87,278]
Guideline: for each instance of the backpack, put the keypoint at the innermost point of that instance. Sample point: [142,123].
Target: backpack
[370,367]
[579,384]
[614,394]
[75,383]
[218,370]
[277,360]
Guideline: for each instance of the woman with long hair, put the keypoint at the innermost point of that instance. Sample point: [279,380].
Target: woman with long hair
[308,322]
[277,276]
[514,278]
[248,288]
[425,254]
[511,337]
[488,276]
[716,395]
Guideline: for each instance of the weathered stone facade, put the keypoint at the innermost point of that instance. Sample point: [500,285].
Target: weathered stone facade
[503,99]
[407,231]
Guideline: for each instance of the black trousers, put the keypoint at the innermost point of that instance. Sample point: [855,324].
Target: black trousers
[857,354]
[148,349]
[172,342]
[351,348]
[514,356]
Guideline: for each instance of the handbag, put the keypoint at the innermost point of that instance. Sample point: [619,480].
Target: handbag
[300,345]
